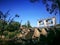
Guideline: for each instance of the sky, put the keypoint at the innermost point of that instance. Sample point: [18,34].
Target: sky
[26,10]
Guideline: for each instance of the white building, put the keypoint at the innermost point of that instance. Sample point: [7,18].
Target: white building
[47,22]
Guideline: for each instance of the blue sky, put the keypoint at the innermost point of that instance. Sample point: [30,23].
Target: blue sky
[26,10]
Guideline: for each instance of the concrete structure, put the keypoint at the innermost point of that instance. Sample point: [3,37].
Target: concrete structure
[47,22]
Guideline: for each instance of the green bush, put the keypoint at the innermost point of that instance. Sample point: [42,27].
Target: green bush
[5,33]
[11,34]
[13,26]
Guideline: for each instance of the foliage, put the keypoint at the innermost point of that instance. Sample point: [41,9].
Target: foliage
[10,30]
[25,26]
[8,24]
[2,26]
[13,26]
[5,33]
[53,6]
[28,24]
[11,34]
[42,40]
[33,1]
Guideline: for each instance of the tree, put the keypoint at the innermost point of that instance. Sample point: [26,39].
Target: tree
[28,24]
[13,18]
[52,6]
[33,1]
[13,26]
[1,14]
[1,26]
[4,23]
[25,26]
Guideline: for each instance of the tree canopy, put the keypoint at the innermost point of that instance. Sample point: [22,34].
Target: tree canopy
[52,6]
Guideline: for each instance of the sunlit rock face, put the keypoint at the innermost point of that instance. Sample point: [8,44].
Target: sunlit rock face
[23,33]
[3,36]
[44,32]
[29,34]
[36,33]
[19,35]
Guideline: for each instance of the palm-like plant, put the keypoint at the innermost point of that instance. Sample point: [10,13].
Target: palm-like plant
[3,18]
[13,18]
[1,14]
[3,21]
